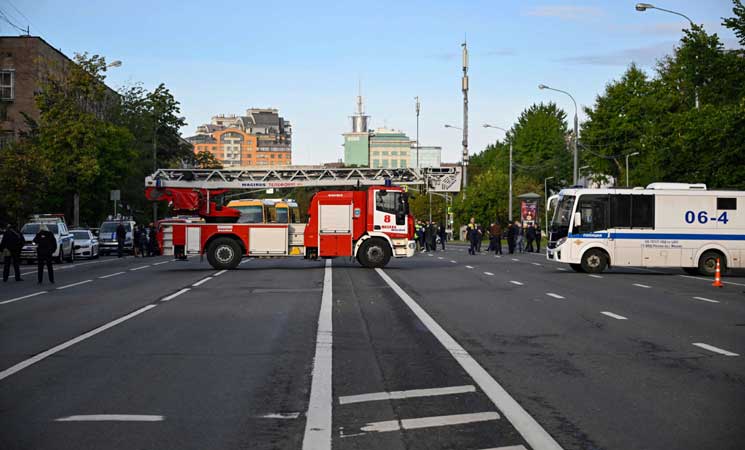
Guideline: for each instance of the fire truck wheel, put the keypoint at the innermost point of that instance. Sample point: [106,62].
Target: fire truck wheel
[224,253]
[374,253]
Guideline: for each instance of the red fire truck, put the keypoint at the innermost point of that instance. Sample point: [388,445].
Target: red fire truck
[371,223]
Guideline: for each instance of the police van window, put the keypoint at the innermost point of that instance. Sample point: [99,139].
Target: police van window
[594,211]
[642,211]
[620,211]
[386,202]
[727,203]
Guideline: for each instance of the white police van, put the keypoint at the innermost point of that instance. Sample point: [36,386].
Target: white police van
[664,225]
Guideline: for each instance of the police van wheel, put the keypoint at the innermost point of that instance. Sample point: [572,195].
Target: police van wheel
[374,253]
[707,264]
[224,253]
[577,268]
[594,261]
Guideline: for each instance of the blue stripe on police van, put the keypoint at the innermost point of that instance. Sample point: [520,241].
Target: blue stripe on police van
[679,236]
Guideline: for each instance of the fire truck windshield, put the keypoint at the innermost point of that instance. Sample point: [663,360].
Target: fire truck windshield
[250,214]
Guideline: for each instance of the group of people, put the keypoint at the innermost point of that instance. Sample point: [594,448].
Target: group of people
[12,244]
[517,235]
[145,241]
[427,234]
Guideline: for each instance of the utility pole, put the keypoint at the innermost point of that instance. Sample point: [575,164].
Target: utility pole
[464,87]
[155,167]
[417,132]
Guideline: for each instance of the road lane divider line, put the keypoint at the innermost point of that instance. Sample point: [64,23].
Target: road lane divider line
[469,267]
[536,264]
[532,431]
[74,265]
[318,419]
[220,273]
[174,295]
[595,276]
[704,299]
[398,395]
[562,269]
[440,257]
[202,281]
[709,279]
[489,273]
[515,259]
[551,294]
[138,268]
[642,285]
[454,261]
[516,282]
[74,284]
[509,447]
[615,316]
[112,418]
[429,422]
[45,354]
[22,298]
[282,416]
[711,348]
[162,262]
[112,275]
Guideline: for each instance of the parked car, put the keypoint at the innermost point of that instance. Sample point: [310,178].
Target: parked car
[65,241]
[107,236]
[86,244]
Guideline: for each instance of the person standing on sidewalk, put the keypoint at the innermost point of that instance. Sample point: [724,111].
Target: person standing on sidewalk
[471,232]
[46,244]
[121,236]
[530,236]
[537,238]
[10,247]
[443,235]
[495,231]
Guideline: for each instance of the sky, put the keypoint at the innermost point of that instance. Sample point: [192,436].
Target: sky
[307,58]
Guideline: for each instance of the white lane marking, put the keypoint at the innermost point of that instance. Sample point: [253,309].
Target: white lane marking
[202,281]
[162,262]
[427,422]
[595,276]
[396,395]
[509,447]
[220,273]
[21,298]
[440,257]
[453,261]
[533,433]
[318,419]
[489,273]
[76,264]
[562,269]
[74,284]
[704,299]
[536,264]
[715,349]
[469,267]
[45,354]
[112,275]
[174,295]
[112,418]
[615,316]
[516,282]
[551,294]
[515,259]
[642,285]
[709,279]
[138,268]
[284,416]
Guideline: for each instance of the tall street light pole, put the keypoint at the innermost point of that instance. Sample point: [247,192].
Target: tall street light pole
[641,7]
[627,166]
[575,172]
[464,87]
[545,198]
[509,195]
[417,131]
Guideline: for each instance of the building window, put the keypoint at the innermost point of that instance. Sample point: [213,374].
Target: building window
[376,163]
[7,84]
[394,163]
[279,156]
[385,163]
[394,153]
[402,163]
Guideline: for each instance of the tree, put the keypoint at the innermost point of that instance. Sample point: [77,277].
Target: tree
[206,160]
[737,23]
[540,142]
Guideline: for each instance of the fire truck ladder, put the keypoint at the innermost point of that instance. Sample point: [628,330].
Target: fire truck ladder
[439,179]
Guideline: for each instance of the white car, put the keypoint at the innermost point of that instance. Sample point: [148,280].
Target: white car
[65,250]
[86,244]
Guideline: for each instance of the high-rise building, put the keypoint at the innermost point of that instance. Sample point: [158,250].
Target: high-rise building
[389,149]
[357,143]
[429,156]
[260,138]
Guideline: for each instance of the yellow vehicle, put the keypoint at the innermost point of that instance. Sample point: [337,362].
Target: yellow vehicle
[267,210]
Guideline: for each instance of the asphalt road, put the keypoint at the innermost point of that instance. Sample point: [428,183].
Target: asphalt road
[440,351]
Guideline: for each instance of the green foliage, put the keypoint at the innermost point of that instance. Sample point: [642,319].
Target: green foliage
[23,177]
[737,23]
[206,160]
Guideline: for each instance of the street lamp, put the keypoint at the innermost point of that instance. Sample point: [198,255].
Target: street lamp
[575,172]
[627,166]
[641,7]
[417,131]
[545,196]
[509,210]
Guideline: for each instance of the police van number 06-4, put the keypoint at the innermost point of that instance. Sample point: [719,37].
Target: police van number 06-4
[664,225]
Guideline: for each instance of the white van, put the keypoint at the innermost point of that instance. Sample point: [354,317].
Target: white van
[107,236]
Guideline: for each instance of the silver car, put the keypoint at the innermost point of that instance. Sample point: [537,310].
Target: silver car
[64,251]
[86,244]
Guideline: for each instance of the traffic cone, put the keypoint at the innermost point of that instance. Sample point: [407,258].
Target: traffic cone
[717,277]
